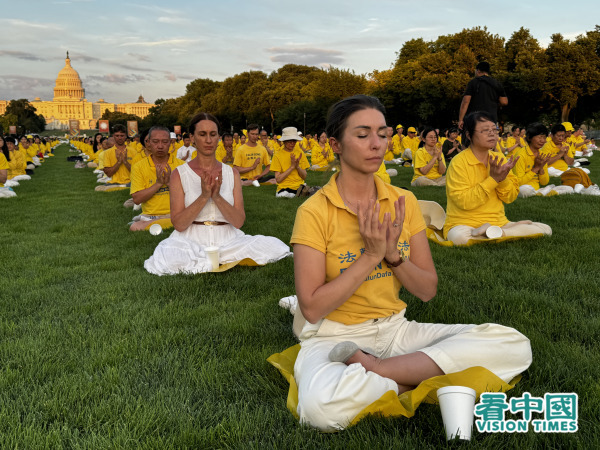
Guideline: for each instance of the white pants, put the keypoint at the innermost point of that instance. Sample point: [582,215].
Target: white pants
[461,234]
[407,154]
[529,191]
[331,394]
[424,181]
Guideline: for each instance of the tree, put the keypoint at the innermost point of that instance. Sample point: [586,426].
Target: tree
[27,119]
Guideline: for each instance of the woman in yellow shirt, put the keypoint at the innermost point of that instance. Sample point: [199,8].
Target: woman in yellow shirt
[321,154]
[429,162]
[16,162]
[356,243]
[478,184]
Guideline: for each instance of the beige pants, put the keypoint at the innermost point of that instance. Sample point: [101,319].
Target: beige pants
[331,394]
[461,234]
[424,181]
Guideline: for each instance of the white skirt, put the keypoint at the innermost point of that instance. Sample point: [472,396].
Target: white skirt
[183,252]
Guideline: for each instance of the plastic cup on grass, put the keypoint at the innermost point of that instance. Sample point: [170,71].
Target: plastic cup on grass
[458,407]
[212,253]
[155,229]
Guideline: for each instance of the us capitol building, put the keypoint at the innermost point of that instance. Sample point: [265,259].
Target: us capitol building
[69,103]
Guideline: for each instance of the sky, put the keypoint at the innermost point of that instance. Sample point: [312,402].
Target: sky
[122,49]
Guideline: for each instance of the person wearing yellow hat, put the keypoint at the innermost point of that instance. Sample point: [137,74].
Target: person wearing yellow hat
[410,144]
[398,137]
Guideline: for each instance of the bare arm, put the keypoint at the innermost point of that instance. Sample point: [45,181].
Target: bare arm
[3,176]
[464,105]
[234,214]
[182,216]
[110,171]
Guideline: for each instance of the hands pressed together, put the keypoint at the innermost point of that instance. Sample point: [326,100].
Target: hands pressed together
[381,238]
[163,174]
[211,184]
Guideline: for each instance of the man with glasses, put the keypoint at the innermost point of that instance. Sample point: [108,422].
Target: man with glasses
[483,93]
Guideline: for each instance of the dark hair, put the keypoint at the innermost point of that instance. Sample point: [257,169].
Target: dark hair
[558,128]
[158,128]
[118,128]
[338,114]
[320,133]
[483,66]
[451,130]
[428,130]
[535,129]
[5,148]
[185,136]
[202,116]
[470,122]
[252,126]
[227,135]
[95,143]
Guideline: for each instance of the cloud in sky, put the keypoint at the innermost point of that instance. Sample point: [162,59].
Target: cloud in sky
[181,41]
[118,78]
[310,56]
[171,76]
[26,24]
[21,55]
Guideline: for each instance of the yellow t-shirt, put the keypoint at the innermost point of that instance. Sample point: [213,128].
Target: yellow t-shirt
[512,141]
[551,149]
[3,165]
[122,175]
[412,143]
[222,153]
[473,197]
[421,159]
[316,155]
[522,170]
[282,161]
[324,223]
[382,173]
[143,154]
[16,165]
[143,175]
[245,157]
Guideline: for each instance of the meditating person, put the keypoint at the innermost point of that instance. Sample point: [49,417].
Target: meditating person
[207,210]
[226,151]
[5,191]
[186,152]
[531,168]
[451,146]
[356,243]
[252,160]
[320,153]
[562,155]
[410,144]
[429,163]
[289,166]
[478,183]
[16,161]
[118,160]
[150,181]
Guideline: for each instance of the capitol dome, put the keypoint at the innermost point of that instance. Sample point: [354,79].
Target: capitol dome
[68,84]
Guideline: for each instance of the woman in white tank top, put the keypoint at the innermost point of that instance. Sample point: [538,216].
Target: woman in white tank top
[207,209]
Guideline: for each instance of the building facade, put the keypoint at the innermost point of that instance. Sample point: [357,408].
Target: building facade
[69,103]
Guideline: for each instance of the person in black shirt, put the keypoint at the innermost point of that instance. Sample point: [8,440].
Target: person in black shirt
[483,93]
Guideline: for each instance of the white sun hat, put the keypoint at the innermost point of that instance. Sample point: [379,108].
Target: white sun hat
[290,134]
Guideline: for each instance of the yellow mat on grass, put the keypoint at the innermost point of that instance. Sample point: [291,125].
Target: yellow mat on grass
[390,404]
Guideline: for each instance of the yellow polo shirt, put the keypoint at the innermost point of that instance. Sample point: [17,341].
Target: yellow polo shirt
[421,159]
[551,149]
[324,223]
[3,165]
[282,161]
[122,175]
[473,197]
[522,169]
[245,157]
[143,175]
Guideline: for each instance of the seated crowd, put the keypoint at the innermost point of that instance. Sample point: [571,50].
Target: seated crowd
[19,158]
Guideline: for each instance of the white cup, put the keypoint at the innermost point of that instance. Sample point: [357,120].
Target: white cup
[212,253]
[155,229]
[458,409]
[493,232]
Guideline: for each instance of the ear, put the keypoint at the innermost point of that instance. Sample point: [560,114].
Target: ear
[335,145]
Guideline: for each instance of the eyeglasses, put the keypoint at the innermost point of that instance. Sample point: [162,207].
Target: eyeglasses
[488,131]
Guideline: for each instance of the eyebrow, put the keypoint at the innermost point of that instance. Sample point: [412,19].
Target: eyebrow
[366,127]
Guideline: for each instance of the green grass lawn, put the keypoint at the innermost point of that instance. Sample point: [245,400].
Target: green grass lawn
[97,353]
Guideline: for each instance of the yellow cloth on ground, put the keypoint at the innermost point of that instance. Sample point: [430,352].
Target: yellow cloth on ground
[390,404]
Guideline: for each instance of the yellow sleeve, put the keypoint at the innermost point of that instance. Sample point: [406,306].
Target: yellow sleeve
[276,165]
[3,162]
[460,189]
[266,160]
[382,173]
[137,178]
[303,161]
[524,176]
